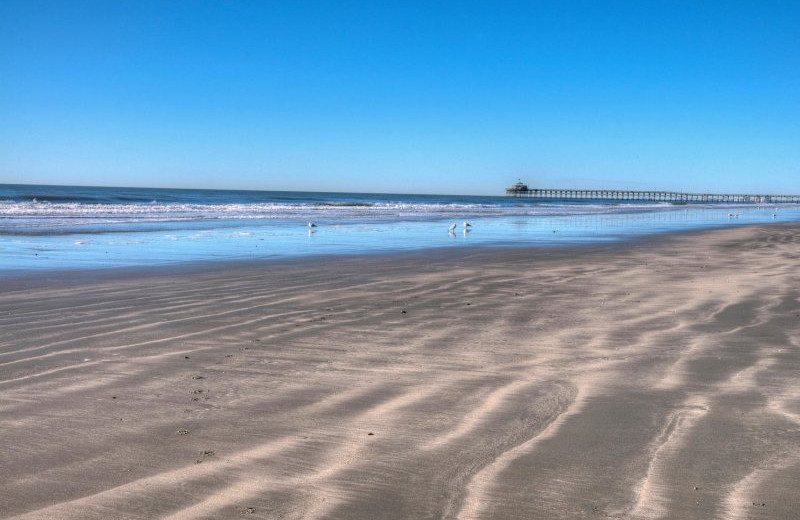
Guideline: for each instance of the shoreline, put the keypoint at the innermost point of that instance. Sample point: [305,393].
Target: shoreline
[267,240]
[648,378]
[34,278]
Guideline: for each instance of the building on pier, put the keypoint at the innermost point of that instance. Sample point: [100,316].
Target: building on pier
[518,188]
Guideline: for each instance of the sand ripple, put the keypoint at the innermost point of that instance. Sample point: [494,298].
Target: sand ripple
[643,381]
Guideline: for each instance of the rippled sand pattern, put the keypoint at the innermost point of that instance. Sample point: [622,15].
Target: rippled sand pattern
[645,381]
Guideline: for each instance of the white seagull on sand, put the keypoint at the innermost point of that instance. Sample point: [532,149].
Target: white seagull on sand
[452,228]
[311,224]
[467,225]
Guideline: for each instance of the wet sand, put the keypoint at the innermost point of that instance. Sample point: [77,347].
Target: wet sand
[656,379]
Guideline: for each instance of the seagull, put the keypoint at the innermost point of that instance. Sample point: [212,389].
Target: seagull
[467,225]
[311,224]
[452,228]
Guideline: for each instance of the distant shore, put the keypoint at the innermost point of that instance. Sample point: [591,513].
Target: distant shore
[654,378]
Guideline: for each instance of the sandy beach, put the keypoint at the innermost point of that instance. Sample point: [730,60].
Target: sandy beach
[647,380]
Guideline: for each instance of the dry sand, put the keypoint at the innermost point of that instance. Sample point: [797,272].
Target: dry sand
[649,380]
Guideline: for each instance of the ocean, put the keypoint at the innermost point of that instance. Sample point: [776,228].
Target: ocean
[74,227]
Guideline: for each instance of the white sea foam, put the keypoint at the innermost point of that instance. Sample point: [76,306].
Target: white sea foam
[120,213]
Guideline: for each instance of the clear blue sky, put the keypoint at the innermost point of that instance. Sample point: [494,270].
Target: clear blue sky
[402,96]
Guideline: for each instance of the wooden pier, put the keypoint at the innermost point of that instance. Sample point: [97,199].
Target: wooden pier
[522,190]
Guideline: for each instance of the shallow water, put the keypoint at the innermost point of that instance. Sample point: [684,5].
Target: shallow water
[69,227]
